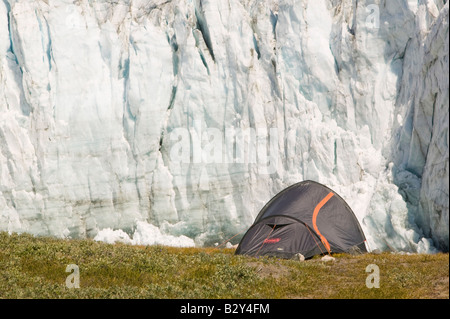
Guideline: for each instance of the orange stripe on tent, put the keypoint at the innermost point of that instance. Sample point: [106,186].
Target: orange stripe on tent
[314,218]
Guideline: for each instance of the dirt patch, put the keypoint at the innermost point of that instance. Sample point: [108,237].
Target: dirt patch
[441,288]
[269,270]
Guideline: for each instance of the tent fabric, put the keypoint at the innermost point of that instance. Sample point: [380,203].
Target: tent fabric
[307,218]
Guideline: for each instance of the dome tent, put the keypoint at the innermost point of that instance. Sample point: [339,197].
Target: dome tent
[306,218]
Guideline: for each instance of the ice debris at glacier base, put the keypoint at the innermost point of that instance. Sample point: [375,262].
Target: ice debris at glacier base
[93,92]
[145,234]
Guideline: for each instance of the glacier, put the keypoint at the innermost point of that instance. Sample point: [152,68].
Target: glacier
[174,122]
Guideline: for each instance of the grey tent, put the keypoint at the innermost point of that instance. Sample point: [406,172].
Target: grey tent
[306,218]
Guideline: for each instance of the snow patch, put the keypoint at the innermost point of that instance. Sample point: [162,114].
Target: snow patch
[145,234]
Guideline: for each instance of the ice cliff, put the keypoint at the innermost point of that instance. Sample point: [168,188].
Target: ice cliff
[180,119]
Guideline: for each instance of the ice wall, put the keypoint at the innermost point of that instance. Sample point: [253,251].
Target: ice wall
[190,115]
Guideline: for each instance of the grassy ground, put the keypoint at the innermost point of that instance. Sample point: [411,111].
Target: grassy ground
[36,268]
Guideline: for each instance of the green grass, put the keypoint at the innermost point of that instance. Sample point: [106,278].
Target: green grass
[33,267]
